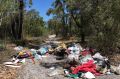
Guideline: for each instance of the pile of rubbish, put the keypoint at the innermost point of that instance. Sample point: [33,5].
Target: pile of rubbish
[85,62]
[33,54]
[80,62]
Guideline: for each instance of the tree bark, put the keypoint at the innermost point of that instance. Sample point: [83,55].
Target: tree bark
[21,8]
[82,30]
[13,26]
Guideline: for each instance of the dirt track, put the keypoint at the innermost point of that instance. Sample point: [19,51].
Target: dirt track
[41,71]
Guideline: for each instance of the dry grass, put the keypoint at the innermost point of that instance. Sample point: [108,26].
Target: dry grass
[114,59]
[7,73]
[5,55]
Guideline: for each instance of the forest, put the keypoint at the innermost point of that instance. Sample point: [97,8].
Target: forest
[95,22]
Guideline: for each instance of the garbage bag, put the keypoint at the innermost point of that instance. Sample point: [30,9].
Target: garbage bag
[79,46]
[18,48]
[73,56]
[102,63]
[74,50]
[43,50]
[85,59]
[33,52]
[38,57]
[89,75]
[22,61]
[98,56]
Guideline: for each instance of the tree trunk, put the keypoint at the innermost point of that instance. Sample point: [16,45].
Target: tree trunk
[17,22]
[13,26]
[63,27]
[80,26]
[70,27]
[21,8]
[82,32]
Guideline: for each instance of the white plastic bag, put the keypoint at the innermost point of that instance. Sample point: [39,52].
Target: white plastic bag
[89,75]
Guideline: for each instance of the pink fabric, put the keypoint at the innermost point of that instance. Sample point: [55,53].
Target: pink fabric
[85,52]
[89,66]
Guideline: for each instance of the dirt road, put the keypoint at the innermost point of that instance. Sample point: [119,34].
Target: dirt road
[41,71]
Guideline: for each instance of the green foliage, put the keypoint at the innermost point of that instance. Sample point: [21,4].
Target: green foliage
[34,24]
[98,20]
[59,14]
[106,26]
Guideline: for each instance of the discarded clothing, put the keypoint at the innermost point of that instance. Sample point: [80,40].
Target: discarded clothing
[23,56]
[87,67]
[73,76]
[85,52]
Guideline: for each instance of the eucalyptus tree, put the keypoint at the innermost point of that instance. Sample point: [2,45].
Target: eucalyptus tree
[33,24]
[106,24]
[12,12]
[59,10]
[73,13]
